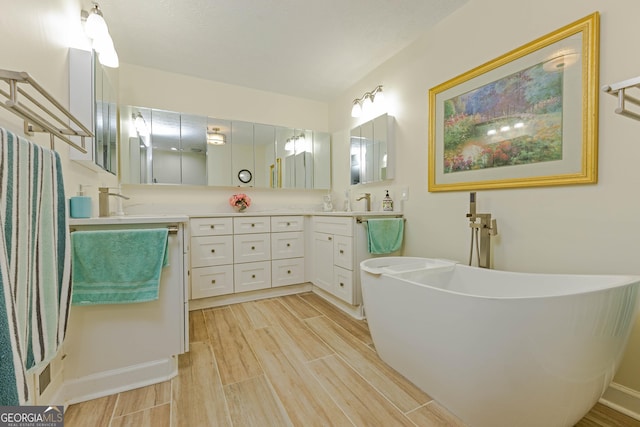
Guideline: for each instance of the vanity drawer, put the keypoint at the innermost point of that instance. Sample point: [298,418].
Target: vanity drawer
[211,281]
[343,252]
[211,250]
[343,284]
[287,272]
[211,226]
[287,245]
[252,276]
[287,223]
[252,224]
[333,225]
[251,247]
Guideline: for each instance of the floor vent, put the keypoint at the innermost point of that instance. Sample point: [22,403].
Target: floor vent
[45,379]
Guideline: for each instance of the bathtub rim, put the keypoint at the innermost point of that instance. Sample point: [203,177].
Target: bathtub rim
[619,280]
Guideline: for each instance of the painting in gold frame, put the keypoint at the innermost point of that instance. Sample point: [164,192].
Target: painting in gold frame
[527,118]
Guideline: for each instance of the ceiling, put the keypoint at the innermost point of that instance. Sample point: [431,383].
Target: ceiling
[302,48]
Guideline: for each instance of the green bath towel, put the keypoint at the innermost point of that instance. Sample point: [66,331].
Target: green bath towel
[385,234]
[117,266]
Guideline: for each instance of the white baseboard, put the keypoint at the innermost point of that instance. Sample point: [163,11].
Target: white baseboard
[210,302]
[354,311]
[622,399]
[119,380]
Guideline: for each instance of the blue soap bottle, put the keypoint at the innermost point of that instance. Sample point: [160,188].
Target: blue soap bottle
[80,205]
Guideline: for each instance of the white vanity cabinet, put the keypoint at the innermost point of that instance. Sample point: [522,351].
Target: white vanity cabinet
[252,253]
[211,257]
[287,250]
[230,255]
[333,257]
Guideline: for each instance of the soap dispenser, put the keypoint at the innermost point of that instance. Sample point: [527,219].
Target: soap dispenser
[387,203]
[80,205]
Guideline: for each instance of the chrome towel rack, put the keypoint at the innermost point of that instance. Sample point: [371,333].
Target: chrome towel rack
[621,90]
[41,111]
[361,220]
[173,229]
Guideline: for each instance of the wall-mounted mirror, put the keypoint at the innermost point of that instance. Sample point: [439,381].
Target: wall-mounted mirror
[165,147]
[372,151]
[93,100]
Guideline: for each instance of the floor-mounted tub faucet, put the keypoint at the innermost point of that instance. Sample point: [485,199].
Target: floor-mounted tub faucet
[103,200]
[485,226]
[367,200]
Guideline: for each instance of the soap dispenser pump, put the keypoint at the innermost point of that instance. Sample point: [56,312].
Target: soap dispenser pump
[80,205]
[387,203]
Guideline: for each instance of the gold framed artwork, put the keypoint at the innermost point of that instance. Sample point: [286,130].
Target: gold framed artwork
[527,118]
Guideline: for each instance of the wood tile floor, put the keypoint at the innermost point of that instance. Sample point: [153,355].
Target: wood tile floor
[288,361]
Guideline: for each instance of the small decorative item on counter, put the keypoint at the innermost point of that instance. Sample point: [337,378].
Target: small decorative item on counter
[240,202]
[80,205]
[327,205]
[387,203]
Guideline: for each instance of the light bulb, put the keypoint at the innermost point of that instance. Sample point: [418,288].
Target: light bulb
[109,58]
[103,43]
[367,103]
[95,26]
[356,110]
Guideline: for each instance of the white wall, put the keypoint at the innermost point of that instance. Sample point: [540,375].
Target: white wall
[570,229]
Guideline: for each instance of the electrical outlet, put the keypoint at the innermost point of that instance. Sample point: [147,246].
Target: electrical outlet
[404,193]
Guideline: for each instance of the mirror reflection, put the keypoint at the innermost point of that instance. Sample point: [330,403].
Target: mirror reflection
[372,149]
[165,147]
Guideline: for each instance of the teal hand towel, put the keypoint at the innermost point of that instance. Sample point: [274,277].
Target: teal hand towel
[117,266]
[385,234]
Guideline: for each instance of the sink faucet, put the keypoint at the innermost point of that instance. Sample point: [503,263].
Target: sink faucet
[103,200]
[367,200]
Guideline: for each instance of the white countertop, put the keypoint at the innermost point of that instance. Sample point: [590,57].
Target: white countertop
[304,213]
[172,218]
[130,219]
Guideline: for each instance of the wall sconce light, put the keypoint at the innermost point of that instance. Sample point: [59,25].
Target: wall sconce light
[215,138]
[141,128]
[365,104]
[96,29]
[297,144]
[140,124]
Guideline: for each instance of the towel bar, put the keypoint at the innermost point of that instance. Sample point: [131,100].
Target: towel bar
[360,220]
[173,229]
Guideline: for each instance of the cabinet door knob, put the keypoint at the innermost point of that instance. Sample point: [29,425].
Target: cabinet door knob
[341,251]
[288,271]
[253,276]
[253,248]
[213,251]
[341,285]
[213,281]
[253,225]
[288,244]
[288,224]
[212,226]
[330,238]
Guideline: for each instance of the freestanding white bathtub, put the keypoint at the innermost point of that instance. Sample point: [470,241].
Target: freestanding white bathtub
[498,348]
